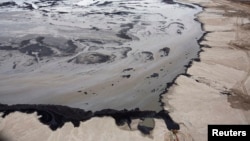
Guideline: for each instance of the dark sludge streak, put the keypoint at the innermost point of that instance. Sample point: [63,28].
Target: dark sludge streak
[55,116]
[169,1]
[186,5]
[120,13]
[180,4]
[105,3]
[128,69]
[61,12]
[9,4]
[126,76]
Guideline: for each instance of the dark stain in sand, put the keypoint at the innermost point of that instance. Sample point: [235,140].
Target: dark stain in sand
[238,100]
[4,137]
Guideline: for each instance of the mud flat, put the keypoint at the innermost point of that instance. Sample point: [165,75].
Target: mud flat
[217,91]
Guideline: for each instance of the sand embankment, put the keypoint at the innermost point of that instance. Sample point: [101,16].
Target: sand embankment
[217,92]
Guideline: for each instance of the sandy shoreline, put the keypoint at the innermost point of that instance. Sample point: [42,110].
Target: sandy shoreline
[217,92]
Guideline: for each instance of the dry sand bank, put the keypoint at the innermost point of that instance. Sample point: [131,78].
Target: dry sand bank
[88,70]
[217,92]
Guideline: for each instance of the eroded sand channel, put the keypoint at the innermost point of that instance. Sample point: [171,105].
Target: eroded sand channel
[94,54]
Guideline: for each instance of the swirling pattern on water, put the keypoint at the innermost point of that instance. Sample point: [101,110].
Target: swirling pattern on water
[94,55]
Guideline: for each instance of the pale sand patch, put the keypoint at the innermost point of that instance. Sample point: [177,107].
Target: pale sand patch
[195,105]
[26,127]
[231,57]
